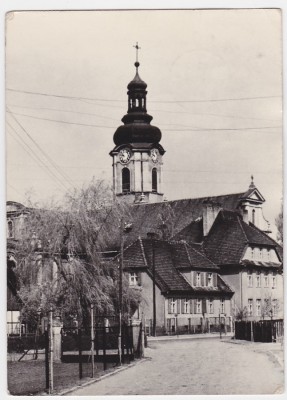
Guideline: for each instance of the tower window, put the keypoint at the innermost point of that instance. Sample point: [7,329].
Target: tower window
[154,180]
[253,217]
[126,180]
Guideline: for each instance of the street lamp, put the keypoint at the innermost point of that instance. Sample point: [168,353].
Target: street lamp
[125,228]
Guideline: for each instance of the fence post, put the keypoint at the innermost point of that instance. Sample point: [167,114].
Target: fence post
[80,353]
[47,359]
[252,334]
[104,348]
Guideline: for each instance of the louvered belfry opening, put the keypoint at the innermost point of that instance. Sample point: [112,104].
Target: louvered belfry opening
[126,180]
[154,180]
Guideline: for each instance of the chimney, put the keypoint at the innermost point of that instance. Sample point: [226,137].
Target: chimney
[210,212]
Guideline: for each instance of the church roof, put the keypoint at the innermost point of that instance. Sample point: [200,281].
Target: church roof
[176,215]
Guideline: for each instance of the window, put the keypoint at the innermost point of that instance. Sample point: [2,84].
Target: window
[266,279]
[274,307]
[186,306]
[173,307]
[126,180]
[274,280]
[154,179]
[209,279]
[250,307]
[198,306]
[198,279]
[253,217]
[249,278]
[258,279]
[134,279]
[10,229]
[222,306]
[258,307]
[210,307]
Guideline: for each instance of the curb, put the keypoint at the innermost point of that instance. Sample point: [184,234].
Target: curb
[94,380]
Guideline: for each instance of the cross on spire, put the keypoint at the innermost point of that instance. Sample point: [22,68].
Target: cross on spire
[137,50]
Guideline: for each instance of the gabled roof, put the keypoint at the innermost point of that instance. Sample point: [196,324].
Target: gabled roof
[170,258]
[176,215]
[229,236]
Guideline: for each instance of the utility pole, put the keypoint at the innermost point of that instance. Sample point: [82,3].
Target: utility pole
[51,349]
[92,340]
[125,228]
[121,291]
[153,287]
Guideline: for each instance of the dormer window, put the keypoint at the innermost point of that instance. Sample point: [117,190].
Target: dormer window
[210,279]
[10,226]
[198,279]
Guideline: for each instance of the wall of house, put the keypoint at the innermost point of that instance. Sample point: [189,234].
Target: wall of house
[256,288]
[146,306]
[232,276]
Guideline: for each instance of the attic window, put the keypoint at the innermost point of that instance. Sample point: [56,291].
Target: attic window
[209,279]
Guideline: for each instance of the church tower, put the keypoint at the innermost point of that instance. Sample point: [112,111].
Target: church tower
[137,156]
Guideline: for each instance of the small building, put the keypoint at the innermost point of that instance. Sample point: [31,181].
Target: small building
[190,294]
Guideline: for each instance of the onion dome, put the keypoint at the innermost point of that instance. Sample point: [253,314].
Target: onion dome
[137,128]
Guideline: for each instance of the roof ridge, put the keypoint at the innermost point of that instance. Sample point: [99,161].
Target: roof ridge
[194,198]
[203,255]
[242,229]
[142,249]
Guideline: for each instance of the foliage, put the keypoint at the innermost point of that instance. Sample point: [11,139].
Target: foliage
[241,314]
[270,307]
[279,225]
[60,256]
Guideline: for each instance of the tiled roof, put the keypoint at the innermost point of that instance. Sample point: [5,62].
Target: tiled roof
[169,258]
[229,236]
[175,215]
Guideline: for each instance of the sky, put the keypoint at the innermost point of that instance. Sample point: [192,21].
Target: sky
[214,89]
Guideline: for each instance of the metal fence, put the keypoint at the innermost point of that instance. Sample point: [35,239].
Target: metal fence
[78,347]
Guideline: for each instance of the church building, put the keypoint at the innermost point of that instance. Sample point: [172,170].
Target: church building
[206,256]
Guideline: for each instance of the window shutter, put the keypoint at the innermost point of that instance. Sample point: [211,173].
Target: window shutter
[202,278]
[191,302]
[176,307]
[204,305]
[215,279]
[194,278]
[169,306]
[182,306]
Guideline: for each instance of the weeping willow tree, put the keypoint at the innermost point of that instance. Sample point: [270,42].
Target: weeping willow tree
[62,257]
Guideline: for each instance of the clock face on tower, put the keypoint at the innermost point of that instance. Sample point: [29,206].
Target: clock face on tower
[125,156]
[154,155]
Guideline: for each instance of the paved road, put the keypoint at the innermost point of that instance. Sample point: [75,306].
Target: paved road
[189,367]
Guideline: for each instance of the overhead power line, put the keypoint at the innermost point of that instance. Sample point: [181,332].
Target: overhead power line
[191,129]
[35,157]
[50,160]
[151,101]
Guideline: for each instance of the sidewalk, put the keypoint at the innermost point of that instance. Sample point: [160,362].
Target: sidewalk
[191,336]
